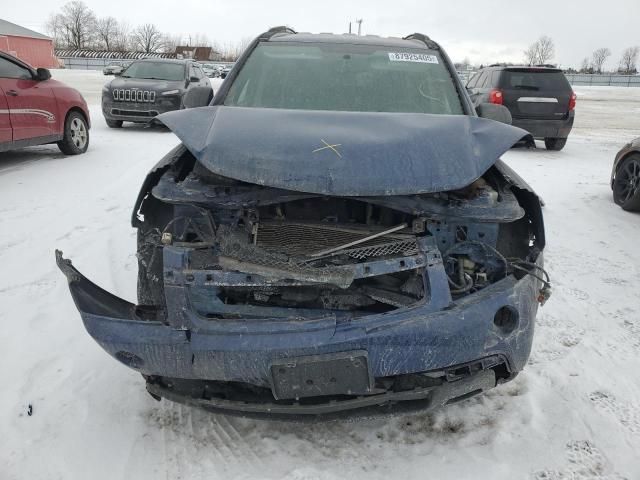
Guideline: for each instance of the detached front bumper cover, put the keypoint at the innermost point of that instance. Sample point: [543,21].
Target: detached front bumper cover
[227,365]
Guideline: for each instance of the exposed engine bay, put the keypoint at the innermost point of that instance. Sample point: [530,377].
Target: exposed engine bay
[266,252]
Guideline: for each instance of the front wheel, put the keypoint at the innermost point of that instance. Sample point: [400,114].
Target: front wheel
[555,144]
[626,186]
[76,135]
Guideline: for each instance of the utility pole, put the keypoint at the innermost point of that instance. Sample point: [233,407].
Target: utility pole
[349,28]
[359,22]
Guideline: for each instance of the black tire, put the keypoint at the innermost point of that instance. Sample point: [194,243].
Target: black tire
[76,135]
[113,123]
[555,144]
[626,185]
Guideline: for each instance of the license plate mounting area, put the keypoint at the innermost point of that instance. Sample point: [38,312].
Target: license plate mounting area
[343,373]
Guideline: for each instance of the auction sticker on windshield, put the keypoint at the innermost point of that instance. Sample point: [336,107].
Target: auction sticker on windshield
[412,57]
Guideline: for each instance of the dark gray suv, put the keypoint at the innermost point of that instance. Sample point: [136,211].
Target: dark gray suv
[150,87]
[540,99]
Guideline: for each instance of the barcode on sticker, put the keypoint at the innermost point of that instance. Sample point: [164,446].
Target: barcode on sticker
[412,57]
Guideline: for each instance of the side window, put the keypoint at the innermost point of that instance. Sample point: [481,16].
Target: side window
[482,80]
[472,81]
[11,70]
[487,80]
[495,78]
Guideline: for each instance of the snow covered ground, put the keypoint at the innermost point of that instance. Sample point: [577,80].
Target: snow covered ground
[574,413]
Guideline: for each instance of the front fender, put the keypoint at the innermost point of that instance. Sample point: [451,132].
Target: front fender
[151,180]
[68,99]
[632,147]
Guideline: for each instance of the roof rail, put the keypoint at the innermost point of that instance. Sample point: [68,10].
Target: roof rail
[423,38]
[546,65]
[273,30]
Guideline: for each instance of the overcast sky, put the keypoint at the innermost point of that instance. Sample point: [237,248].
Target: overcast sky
[484,31]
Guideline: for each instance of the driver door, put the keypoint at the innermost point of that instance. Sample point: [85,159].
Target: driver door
[5,122]
[32,106]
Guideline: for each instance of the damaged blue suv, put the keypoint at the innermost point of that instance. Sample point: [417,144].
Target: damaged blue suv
[335,233]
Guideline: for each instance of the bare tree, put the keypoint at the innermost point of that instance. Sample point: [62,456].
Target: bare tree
[231,51]
[585,64]
[78,24]
[122,39]
[540,52]
[107,32]
[199,40]
[531,54]
[171,42]
[629,59]
[599,57]
[55,29]
[546,50]
[215,46]
[147,38]
[586,67]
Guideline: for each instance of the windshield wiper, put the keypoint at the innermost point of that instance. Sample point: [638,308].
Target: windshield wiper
[527,87]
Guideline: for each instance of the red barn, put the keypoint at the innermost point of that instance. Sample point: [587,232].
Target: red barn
[29,46]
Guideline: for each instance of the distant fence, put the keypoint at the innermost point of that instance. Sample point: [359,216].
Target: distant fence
[98,59]
[79,63]
[85,63]
[604,80]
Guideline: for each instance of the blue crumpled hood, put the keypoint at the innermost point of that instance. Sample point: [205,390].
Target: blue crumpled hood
[377,153]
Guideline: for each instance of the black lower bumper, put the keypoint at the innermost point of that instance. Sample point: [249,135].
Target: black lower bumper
[544,128]
[233,399]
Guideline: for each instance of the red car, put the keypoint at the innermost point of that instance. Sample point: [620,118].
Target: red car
[34,109]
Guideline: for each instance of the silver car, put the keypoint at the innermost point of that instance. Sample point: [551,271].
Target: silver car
[113,69]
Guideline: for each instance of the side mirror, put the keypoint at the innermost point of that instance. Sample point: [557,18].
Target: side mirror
[194,79]
[197,97]
[223,75]
[499,113]
[42,74]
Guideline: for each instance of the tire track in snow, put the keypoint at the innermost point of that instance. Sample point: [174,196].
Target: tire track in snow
[554,338]
[228,444]
[191,432]
[169,452]
[628,414]
[585,461]
[226,426]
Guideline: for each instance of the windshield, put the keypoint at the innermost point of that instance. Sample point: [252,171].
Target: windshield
[534,80]
[345,77]
[155,71]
